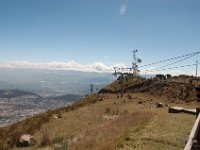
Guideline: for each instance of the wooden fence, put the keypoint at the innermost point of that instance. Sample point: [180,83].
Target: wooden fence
[193,142]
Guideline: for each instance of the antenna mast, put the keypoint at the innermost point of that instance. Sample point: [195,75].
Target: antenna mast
[135,63]
[120,71]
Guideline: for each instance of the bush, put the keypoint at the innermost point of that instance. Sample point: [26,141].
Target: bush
[107,111]
[45,140]
[129,96]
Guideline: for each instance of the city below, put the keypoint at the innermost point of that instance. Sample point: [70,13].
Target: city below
[14,109]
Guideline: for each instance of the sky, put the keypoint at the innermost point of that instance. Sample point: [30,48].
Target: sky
[96,34]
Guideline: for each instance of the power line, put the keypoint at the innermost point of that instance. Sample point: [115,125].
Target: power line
[154,70]
[175,62]
[179,67]
[169,59]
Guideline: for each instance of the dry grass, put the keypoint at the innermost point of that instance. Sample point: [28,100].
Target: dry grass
[45,141]
[112,134]
[130,125]
[136,126]
[165,131]
[11,133]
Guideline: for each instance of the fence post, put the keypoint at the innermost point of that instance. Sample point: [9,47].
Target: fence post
[197,111]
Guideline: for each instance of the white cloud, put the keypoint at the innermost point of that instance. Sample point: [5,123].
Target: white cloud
[123,9]
[71,65]
[95,67]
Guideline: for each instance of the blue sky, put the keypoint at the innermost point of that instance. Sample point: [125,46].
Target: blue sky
[89,31]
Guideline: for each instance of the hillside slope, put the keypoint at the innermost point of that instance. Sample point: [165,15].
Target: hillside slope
[106,121]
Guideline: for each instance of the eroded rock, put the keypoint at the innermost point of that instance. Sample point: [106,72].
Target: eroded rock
[26,140]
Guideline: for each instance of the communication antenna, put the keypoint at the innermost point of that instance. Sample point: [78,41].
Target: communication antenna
[135,63]
[121,71]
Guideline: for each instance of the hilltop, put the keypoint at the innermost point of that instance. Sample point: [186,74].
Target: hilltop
[106,121]
[173,88]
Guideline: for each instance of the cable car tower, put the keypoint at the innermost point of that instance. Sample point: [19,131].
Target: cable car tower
[122,72]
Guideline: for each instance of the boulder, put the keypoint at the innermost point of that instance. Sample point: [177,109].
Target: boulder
[26,140]
[54,116]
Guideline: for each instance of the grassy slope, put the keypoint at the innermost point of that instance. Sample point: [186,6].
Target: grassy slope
[116,123]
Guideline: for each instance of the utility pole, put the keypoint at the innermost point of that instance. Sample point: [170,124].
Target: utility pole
[122,84]
[197,67]
[119,71]
[91,88]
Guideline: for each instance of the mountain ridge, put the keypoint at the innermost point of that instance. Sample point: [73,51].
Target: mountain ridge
[16,93]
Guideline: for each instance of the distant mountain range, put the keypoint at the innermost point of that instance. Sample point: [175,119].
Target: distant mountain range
[53,82]
[15,93]
[20,93]
[67,97]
